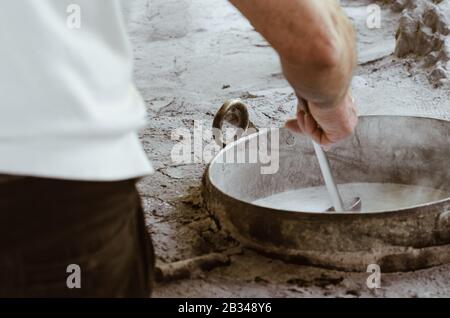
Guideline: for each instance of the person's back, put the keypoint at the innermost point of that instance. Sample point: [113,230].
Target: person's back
[68,105]
[69,115]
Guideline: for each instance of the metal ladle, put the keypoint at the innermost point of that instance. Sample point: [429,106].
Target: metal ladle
[336,199]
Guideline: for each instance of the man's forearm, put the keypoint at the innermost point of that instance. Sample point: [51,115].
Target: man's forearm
[315,42]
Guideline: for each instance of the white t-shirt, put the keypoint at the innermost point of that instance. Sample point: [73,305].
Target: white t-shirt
[68,105]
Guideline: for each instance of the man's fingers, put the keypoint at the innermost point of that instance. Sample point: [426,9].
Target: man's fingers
[301,119]
[292,125]
[315,132]
[318,136]
[311,127]
[325,126]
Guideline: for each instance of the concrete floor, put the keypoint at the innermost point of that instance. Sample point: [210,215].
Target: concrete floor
[191,56]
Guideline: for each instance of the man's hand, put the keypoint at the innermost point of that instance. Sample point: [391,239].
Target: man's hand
[325,125]
[316,45]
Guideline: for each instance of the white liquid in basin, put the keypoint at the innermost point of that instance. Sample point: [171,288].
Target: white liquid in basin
[374,197]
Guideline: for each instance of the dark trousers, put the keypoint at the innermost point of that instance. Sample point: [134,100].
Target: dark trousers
[56,236]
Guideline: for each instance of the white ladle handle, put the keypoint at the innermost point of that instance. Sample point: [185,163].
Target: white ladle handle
[332,189]
[324,164]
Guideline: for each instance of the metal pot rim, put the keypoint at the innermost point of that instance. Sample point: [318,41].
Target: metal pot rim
[288,213]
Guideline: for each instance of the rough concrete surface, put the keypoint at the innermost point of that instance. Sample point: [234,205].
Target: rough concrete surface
[192,55]
[423,31]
